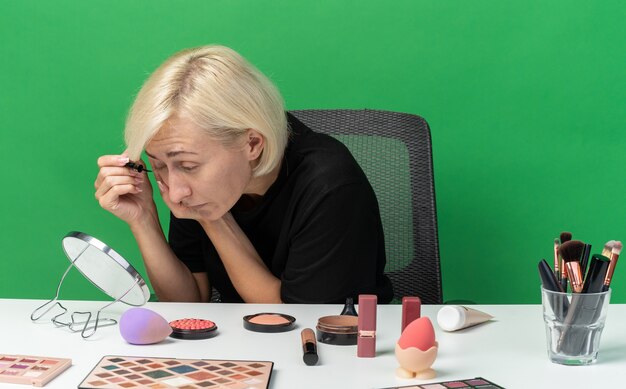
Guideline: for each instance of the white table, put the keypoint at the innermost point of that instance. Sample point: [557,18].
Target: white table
[510,351]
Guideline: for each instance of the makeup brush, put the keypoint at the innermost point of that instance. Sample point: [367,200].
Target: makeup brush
[557,273]
[564,237]
[617,249]
[571,252]
[608,247]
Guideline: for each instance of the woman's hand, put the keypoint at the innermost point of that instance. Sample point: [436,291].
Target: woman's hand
[123,191]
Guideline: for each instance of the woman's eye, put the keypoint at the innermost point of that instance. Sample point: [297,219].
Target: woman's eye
[158,167]
[188,168]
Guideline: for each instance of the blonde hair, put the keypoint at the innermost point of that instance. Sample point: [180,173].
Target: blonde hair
[219,91]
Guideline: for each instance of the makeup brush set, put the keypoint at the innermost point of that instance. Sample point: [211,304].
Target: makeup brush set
[576,292]
[571,258]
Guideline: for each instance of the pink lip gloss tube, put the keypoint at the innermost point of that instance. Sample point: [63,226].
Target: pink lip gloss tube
[366,341]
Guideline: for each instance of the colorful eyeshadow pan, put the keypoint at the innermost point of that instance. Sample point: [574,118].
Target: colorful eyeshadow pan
[193,329]
[269,322]
[473,383]
[183,369]
[178,373]
[31,370]
[455,384]
[157,374]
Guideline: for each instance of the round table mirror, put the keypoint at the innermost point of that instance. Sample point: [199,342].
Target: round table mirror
[105,268]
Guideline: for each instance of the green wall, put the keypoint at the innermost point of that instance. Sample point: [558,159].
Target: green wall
[525,98]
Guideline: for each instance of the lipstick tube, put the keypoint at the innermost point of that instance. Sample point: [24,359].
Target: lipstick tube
[411,310]
[366,341]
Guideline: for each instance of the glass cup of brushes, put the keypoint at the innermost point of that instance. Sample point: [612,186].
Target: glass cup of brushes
[574,324]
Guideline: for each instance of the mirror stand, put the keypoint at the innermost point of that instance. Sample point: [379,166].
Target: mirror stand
[88,326]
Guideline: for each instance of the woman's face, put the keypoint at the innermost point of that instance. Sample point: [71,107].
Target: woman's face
[202,177]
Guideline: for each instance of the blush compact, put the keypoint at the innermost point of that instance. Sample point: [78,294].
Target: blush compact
[269,322]
[341,330]
[193,329]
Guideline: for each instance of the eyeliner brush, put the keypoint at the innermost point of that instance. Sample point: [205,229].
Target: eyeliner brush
[564,237]
[571,252]
[557,273]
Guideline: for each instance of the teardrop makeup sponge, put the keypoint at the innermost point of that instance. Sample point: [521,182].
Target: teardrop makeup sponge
[143,326]
[416,350]
[419,333]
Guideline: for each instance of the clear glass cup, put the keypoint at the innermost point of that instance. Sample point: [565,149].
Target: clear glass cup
[574,324]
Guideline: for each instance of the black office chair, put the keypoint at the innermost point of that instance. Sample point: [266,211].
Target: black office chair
[394,150]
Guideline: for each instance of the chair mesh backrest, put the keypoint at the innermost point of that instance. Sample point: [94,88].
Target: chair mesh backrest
[394,151]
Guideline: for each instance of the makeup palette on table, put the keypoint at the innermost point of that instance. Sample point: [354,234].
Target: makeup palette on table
[472,383]
[120,372]
[31,370]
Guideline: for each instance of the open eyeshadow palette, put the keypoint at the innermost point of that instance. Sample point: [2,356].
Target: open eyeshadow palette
[30,370]
[161,373]
[471,383]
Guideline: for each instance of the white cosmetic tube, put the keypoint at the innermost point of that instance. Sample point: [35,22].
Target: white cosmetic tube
[456,317]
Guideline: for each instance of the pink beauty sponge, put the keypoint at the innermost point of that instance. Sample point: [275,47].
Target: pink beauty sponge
[416,350]
[419,333]
[143,326]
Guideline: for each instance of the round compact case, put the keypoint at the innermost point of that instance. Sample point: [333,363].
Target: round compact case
[269,322]
[341,330]
[193,329]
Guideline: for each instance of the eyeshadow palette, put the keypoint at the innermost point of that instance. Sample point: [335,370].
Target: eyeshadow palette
[471,383]
[30,370]
[113,372]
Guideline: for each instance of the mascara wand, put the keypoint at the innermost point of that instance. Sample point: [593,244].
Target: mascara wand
[137,167]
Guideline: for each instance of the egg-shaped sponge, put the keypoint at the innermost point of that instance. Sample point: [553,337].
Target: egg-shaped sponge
[143,326]
[419,333]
